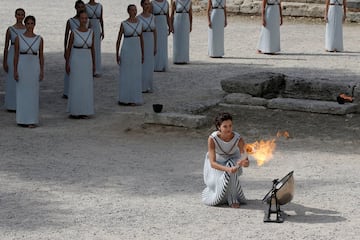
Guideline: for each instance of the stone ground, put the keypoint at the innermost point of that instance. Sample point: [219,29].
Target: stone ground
[113,177]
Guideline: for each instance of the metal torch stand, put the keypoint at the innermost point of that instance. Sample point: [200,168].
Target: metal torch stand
[277,211]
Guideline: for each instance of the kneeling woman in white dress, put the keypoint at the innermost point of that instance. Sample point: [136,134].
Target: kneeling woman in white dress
[272,19]
[181,20]
[335,14]
[80,65]
[217,21]
[28,71]
[223,165]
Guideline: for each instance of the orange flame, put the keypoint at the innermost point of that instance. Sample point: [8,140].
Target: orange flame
[262,151]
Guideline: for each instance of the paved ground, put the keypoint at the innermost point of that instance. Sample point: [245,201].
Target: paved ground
[112,177]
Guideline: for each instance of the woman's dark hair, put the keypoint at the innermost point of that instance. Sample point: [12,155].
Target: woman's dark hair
[19,9]
[78,2]
[220,118]
[81,12]
[130,6]
[30,17]
[142,2]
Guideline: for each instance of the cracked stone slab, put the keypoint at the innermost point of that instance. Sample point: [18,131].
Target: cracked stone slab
[244,99]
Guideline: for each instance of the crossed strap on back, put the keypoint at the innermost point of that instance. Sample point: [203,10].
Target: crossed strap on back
[148,23]
[29,45]
[94,12]
[133,28]
[183,5]
[218,4]
[84,40]
[162,8]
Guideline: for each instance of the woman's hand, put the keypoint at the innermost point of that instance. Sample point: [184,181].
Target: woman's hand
[264,22]
[67,68]
[118,59]
[5,67]
[232,169]
[16,75]
[41,75]
[243,163]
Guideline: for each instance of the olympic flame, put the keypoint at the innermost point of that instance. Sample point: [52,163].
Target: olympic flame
[262,151]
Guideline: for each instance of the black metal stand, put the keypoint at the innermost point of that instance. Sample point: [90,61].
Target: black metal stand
[277,211]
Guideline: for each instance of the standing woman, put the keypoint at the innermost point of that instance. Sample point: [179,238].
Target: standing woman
[181,20]
[149,36]
[217,21]
[272,19]
[80,65]
[95,13]
[8,60]
[130,59]
[71,24]
[28,71]
[160,9]
[335,15]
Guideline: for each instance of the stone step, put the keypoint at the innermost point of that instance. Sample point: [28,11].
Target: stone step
[237,100]
[176,119]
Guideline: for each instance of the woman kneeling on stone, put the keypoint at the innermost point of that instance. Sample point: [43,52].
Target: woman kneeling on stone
[223,165]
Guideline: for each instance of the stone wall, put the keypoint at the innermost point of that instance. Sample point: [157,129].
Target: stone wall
[294,8]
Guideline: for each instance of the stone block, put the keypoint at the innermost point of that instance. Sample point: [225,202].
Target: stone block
[244,99]
[314,106]
[176,119]
[261,84]
[321,89]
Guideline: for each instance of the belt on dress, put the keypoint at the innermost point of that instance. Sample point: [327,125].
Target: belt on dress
[338,4]
[272,4]
[31,53]
[130,36]
[182,12]
[80,47]
[157,14]
[217,8]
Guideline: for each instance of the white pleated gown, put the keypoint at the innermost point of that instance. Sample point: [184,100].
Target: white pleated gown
[130,87]
[269,41]
[81,91]
[94,14]
[27,87]
[334,29]
[74,24]
[223,187]
[181,37]
[149,59]
[160,10]
[10,84]
[216,32]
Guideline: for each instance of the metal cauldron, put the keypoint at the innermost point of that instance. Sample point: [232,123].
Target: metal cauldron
[281,193]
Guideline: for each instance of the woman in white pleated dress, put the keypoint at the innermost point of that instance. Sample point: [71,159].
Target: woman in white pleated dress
[223,165]
[272,19]
[71,24]
[130,59]
[181,20]
[28,71]
[160,10]
[335,15]
[217,21]
[80,65]
[95,14]
[149,37]
[8,60]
